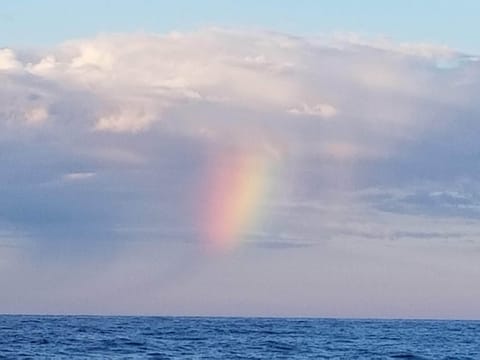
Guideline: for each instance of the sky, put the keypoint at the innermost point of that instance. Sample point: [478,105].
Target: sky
[274,158]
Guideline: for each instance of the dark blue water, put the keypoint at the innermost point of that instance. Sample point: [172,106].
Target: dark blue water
[81,337]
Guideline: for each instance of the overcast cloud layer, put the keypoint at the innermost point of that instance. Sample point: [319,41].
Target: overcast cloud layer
[374,209]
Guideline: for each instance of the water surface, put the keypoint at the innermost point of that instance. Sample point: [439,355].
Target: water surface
[95,337]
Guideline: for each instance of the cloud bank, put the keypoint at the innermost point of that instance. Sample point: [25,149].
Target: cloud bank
[106,143]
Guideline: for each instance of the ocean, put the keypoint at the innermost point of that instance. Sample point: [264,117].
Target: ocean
[99,337]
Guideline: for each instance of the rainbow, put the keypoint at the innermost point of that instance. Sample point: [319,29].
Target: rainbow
[235,187]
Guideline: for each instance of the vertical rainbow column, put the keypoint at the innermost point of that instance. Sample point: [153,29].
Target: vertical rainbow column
[234,188]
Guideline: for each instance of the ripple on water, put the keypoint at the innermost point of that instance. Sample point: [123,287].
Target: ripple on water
[72,337]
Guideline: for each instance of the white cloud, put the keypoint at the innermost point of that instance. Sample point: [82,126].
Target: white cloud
[321,110]
[238,87]
[8,61]
[128,119]
[78,176]
[43,67]
[136,78]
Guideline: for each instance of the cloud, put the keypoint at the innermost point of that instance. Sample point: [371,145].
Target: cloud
[136,78]
[385,101]
[125,120]
[366,146]
[8,61]
[136,107]
[321,110]
[383,43]
[36,115]
[76,176]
